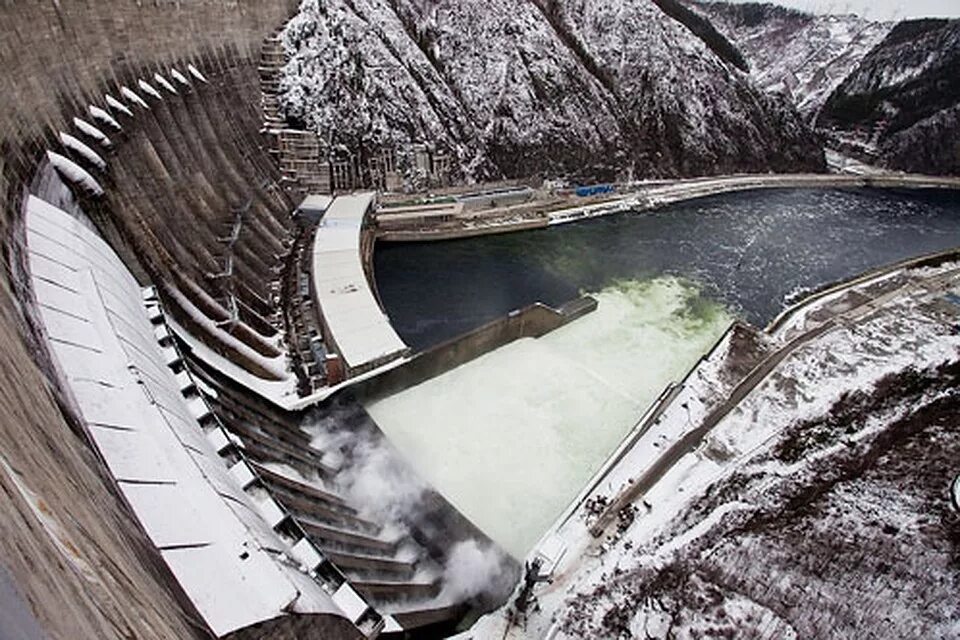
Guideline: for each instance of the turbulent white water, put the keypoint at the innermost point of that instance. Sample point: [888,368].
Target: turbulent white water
[512,437]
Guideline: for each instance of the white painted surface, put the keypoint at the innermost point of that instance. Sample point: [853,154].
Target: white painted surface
[360,328]
[316,202]
[209,532]
[351,603]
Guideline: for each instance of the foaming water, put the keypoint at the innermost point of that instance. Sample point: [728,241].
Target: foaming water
[512,437]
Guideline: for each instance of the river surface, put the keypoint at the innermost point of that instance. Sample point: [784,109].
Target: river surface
[749,251]
[512,437]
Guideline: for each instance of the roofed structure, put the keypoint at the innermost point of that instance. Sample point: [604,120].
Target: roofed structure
[227,547]
[356,324]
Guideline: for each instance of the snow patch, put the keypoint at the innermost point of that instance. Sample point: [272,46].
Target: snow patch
[196,73]
[74,173]
[83,150]
[179,77]
[149,90]
[131,95]
[279,393]
[163,82]
[274,366]
[102,116]
[116,105]
[92,132]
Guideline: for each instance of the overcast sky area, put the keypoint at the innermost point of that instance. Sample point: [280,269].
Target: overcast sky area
[878,9]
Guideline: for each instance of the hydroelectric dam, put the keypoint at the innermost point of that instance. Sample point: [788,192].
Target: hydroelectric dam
[231,411]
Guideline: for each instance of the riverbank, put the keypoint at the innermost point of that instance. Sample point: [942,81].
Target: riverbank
[790,329]
[659,492]
[550,209]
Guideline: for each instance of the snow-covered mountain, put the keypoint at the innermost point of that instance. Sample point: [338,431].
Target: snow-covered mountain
[521,87]
[889,94]
[801,55]
[903,100]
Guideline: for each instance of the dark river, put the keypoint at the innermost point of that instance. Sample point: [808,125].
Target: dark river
[753,252]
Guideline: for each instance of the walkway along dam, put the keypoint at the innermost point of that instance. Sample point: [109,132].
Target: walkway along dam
[518,208]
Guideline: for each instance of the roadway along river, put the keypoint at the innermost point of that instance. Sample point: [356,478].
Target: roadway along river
[512,437]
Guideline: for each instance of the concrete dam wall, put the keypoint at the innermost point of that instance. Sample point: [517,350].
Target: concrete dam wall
[533,321]
[68,541]
[139,124]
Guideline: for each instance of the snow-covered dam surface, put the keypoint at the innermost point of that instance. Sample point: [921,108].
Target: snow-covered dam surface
[512,437]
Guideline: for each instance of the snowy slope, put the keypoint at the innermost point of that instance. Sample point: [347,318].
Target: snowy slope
[533,86]
[818,508]
[801,55]
[905,95]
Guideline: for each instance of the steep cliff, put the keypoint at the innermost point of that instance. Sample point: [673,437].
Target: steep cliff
[588,87]
[889,94]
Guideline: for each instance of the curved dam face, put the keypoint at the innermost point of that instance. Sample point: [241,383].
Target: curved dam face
[161,340]
[67,539]
[512,437]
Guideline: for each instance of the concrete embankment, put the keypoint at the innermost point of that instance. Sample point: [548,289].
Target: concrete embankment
[533,321]
[429,234]
[692,189]
[930,260]
[648,196]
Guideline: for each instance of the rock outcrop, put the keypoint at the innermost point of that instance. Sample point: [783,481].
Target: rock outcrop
[587,88]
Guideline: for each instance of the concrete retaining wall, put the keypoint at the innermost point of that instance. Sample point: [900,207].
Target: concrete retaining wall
[702,187]
[433,235]
[930,260]
[534,321]
[649,196]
